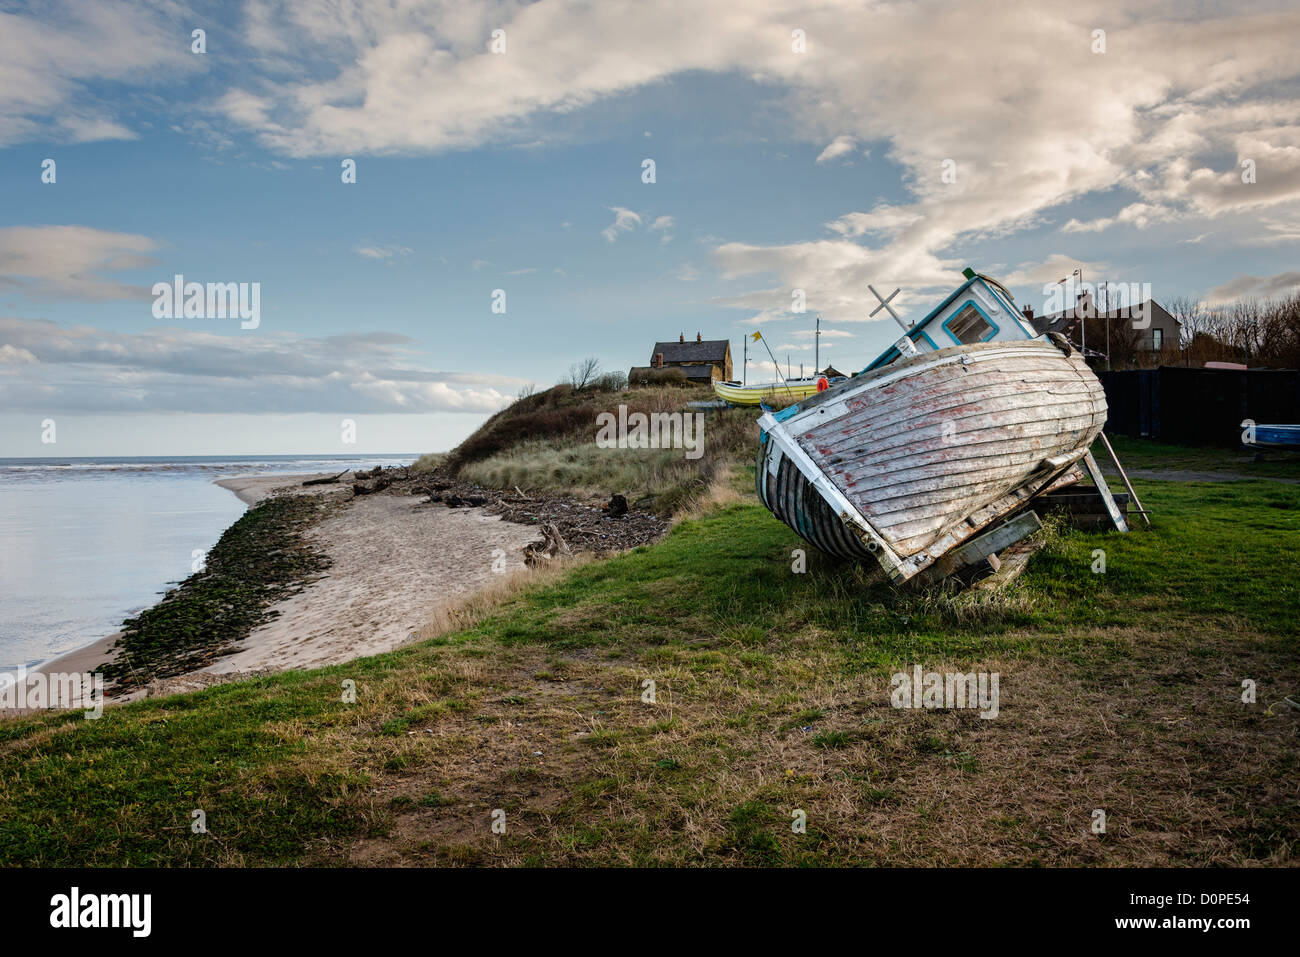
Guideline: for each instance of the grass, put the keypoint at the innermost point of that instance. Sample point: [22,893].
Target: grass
[429,462]
[552,447]
[1142,454]
[1119,691]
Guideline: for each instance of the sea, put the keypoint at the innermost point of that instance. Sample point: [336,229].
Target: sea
[88,542]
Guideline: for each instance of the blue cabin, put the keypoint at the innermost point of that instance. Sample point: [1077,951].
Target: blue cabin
[980,310]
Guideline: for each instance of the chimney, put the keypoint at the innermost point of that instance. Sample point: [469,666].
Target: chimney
[697,337]
[681,337]
[1028,312]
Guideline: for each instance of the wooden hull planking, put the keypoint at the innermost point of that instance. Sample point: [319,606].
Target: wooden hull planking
[904,463]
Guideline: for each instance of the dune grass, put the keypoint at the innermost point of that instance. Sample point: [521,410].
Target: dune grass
[1119,691]
[666,480]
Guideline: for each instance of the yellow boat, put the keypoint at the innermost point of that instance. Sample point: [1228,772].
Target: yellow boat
[793,390]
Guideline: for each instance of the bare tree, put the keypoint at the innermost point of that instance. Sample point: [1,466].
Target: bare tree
[1279,333]
[582,374]
[1191,314]
[1251,331]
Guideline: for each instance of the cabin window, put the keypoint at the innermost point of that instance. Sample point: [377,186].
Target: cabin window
[969,325]
[1158,338]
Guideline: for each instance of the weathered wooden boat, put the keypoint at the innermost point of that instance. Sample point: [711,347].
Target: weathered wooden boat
[924,449]
[792,390]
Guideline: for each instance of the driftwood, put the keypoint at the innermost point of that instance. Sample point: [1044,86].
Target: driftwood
[551,545]
[361,488]
[464,501]
[330,480]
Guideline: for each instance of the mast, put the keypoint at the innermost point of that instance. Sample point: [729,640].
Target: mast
[1083,325]
[1107,308]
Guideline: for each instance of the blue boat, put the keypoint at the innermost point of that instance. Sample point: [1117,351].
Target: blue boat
[1272,437]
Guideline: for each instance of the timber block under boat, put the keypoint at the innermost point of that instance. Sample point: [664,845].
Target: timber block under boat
[1082,507]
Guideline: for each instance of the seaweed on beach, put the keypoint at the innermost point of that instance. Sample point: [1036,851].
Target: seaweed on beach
[261,559]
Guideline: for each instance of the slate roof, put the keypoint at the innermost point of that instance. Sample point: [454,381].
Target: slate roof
[1061,322]
[710,350]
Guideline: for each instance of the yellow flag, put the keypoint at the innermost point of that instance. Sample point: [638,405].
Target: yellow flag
[756,336]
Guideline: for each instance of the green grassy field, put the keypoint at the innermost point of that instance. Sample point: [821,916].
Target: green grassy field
[1141,454]
[1120,691]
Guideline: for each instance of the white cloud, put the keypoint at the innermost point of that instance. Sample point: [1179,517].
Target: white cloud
[1161,123]
[838,148]
[1249,287]
[11,355]
[1168,129]
[50,62]
[196,370]
[382,252]
[883,220]
[68,262]
[624,220]
[1055,267]
[1139,215]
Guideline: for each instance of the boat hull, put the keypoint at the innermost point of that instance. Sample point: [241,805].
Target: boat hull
[902,464]
[754,394]
[1276,437]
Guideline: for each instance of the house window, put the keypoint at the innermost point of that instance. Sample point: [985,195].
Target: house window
[969,325]
[1157,338]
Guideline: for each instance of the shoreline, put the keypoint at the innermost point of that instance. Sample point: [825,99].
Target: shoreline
[249,489]
[394,561]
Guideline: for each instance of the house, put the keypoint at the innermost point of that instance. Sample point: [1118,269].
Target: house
[702,361]
[1151,326]
[830,372]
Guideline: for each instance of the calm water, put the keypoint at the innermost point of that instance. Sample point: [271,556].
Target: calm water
[87,542]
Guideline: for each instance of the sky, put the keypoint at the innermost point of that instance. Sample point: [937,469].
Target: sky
[500,154]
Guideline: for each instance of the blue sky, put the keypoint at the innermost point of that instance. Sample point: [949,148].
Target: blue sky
[521,171]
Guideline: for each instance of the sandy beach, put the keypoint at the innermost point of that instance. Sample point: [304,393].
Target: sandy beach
[394,562]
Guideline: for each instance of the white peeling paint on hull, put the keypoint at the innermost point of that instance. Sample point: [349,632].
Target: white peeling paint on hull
[912,459]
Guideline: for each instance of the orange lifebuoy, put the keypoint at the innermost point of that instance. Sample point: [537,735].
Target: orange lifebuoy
[823,384]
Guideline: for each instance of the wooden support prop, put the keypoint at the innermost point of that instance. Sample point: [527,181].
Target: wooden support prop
[986,545]
[1122,474]
[1011,562]
[1094,470]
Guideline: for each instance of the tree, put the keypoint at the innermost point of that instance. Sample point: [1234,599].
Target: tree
[584,373]
[1191,314]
